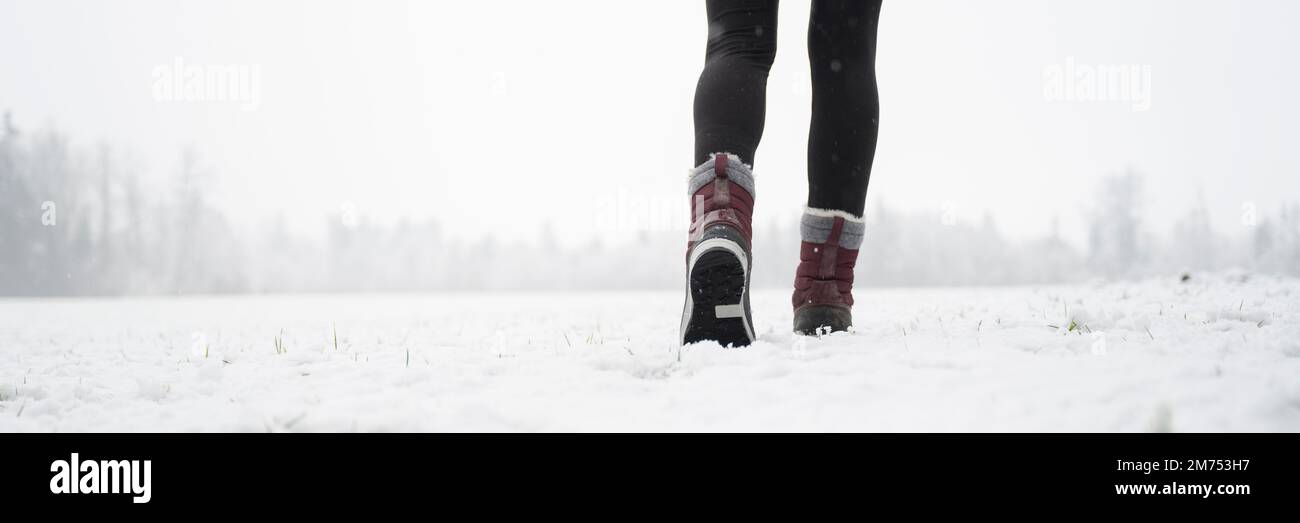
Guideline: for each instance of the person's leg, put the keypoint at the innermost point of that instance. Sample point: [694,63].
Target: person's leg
[729,107]
[845,103]
[841,147]
[730,97]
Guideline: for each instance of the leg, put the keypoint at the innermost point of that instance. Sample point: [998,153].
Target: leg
[841,146]
[846,104]
[730,97]
[729,105]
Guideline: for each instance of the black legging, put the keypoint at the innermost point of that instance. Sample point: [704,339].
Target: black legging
[731,94]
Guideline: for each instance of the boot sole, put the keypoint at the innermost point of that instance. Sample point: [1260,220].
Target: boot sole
[717,295]
[812,320]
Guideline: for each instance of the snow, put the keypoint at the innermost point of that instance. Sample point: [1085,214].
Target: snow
[1220,352]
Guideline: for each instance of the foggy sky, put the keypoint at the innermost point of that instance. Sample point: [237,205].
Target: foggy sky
[429,109]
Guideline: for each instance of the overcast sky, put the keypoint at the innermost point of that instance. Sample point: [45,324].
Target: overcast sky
[502,116]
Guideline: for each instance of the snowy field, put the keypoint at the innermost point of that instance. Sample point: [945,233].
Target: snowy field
[1216,353]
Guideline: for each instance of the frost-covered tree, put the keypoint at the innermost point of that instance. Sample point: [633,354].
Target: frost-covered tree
[1114,232]
[1194,245]
[1275,244]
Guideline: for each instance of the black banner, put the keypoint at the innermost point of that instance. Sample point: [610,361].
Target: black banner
[311,473]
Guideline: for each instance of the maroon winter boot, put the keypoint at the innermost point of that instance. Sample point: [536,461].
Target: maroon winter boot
[718,253]
[823,283]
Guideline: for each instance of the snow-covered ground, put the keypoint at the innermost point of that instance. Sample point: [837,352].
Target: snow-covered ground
[1216,353]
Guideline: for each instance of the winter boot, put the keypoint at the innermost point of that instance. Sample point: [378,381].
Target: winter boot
[718,253]
[823,283]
